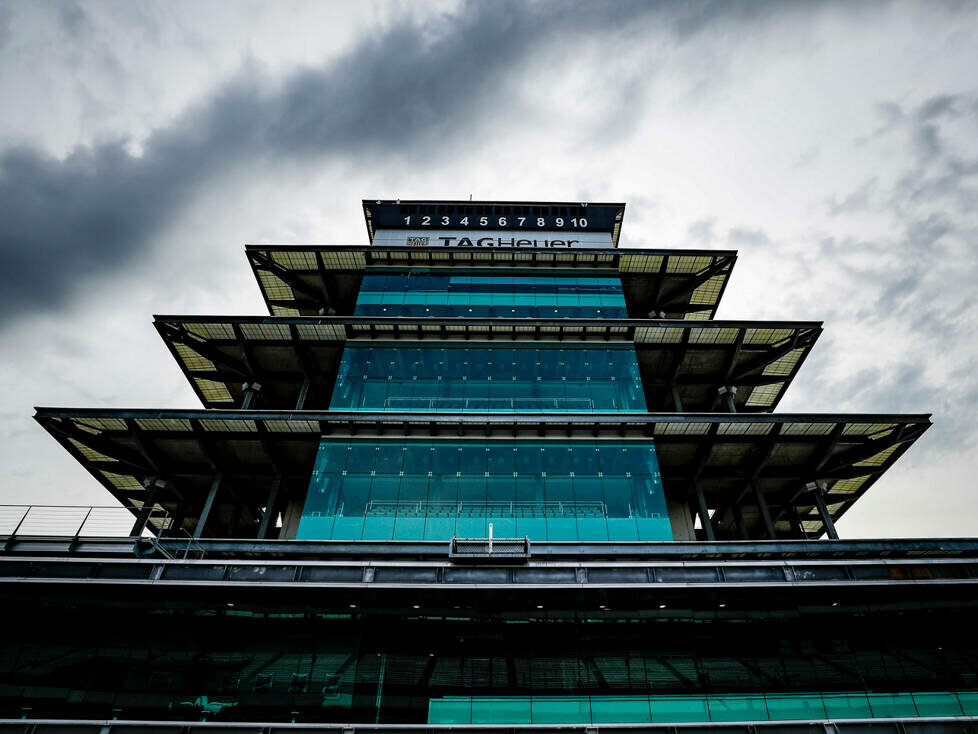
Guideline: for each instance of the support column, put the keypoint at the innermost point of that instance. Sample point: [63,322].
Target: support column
[208,504]
[251,391]
[270,512]
[739,521]
[765,513]
[727,395]
[823,510]
[704,512]
[300,404]
[676,400]
[153,487]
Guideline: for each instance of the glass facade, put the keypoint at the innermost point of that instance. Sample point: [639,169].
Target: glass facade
[481,296]
[573,491]
[483,378]
[703,708]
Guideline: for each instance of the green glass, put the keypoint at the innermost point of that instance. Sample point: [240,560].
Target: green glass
[561,491]
[514,710]
[795,706]
[561,710]
[937,703]
[847,706]
[450,711]
[620,710]
[674,709]
[737,708]
[891,705]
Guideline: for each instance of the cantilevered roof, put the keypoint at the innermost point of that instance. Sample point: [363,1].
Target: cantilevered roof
[731,458]
[683,363]
[309,281]
[519,216]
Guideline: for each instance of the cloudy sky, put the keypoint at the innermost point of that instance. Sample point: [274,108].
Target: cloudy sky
[835,145]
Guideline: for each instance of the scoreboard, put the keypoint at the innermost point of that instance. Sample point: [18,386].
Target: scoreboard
[493,224]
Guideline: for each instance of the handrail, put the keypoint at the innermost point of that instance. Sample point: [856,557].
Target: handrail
[80,520]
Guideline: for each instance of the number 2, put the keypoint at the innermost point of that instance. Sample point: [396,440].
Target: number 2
[425,221]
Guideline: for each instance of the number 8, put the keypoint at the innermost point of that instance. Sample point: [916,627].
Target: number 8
[540,222]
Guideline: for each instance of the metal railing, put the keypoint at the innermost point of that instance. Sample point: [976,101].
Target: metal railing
[80,520]
[489,549]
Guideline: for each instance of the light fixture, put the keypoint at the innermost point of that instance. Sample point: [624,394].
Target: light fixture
[353,606]
[662,606]
[602,606]
[230,604]
[539,606]
[721,605]
[416,606]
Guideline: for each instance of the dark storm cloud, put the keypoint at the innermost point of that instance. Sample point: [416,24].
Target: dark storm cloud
[414,89]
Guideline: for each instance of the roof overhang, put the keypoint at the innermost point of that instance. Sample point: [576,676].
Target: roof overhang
[310,280]
[732,458]
[683,363]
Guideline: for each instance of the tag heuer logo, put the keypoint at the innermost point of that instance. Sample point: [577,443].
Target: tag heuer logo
[417,241]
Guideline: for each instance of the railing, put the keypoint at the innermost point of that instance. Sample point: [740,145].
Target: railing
[491,404]
[424,508]
[489,549]
[79,520]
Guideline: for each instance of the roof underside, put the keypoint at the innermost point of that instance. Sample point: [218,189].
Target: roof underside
[688,360]
[309,281]
[728,456]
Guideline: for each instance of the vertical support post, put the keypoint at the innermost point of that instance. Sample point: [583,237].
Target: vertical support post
[251,390]
[727,395]
[270,511]
[300,404]
[208,504]
[795,519]
[765,512]
[823,510]
[152,491]
[739,521]
[704,512]
[676,400]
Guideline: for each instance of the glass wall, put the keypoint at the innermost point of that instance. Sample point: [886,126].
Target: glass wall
[480,296]
[483,378]
[573,491]
[705,708]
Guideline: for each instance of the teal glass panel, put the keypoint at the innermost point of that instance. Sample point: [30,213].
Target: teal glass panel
[421,294]
[561,710]
[501,710]
[561,491]
[488,378]
[795,706]
[891,705]
[668,709]
[937,703]
[450,711]
[620,710]
[737,708]
[969,702]
[847,706]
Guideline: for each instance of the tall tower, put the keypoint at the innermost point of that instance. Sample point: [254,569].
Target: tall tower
[487,470]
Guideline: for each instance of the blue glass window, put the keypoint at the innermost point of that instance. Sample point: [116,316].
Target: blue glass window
[478,296]
[576,491]
[492,379]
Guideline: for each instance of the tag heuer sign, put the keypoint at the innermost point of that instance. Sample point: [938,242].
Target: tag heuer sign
[417,241]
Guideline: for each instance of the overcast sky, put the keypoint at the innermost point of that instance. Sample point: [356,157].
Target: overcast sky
[835,145]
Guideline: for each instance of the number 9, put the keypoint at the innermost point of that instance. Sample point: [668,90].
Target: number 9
[560,222]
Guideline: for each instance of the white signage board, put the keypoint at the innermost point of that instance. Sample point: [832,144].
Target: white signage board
[490,238]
